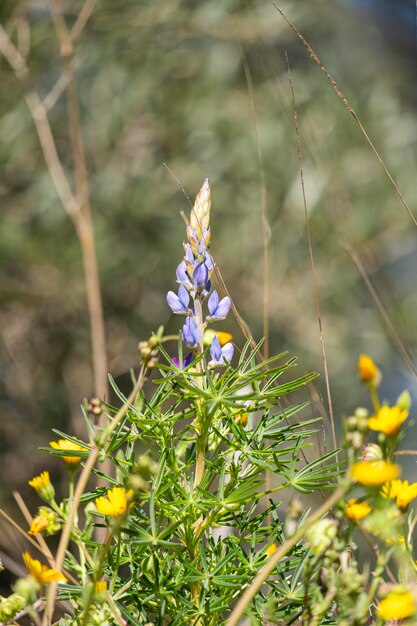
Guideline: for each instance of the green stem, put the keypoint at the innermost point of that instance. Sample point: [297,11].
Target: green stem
[374,397]
[202,432]
[116,568]
[201,435]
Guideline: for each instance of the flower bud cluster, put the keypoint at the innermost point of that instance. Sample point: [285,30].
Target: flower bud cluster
[194,278]
[148,350]
[10,606]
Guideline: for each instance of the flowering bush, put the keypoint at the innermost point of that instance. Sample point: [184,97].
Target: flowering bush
[185,530]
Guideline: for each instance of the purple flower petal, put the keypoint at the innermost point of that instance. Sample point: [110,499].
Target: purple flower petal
[218,310]
[183,296]
[200,276]
[174,302]
[189,256]
[223,308]
[184,364]
[181,273]
[209,262]
[178,304]
[191,332]
[187,360]
[228,351]
[215,350]
[213,302]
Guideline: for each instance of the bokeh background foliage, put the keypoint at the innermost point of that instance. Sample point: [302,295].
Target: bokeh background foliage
[163,82]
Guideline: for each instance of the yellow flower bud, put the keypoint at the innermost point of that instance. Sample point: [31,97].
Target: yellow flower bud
[43,486]
[368,371]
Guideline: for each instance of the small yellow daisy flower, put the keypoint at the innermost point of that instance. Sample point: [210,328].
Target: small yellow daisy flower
[42,573]
[397,605]
[368,371]
[115,504]
[388,419]
[400,491]
[68,446]
[43,486]
[374,473]
[357,510]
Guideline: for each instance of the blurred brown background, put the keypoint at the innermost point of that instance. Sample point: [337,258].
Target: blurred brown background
[164,82]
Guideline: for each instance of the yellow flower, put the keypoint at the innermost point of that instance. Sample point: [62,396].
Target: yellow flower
[397,605]
[375,473]
[100,586]
[42,573]
[115,504]
[400,491]
[241,418]
[43,486]
[368,371]
[100,589]
[388,420]
[357,510]
[68,446]
[271,549]
[223,337]
[38,525]
[46,522]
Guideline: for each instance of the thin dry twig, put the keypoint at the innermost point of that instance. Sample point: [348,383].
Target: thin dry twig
[345,101]
[84,222]
[82,19]
[43,128]
[406,452]
[43,546]
[310,249]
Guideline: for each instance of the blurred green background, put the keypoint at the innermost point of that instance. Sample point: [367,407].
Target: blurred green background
[164,82]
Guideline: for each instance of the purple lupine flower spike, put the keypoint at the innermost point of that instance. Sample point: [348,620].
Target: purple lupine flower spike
[190,332]
[220,356]
[179,304]
[218,309]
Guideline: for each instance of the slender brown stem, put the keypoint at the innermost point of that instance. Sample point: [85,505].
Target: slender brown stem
[84,222]
[78,208]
